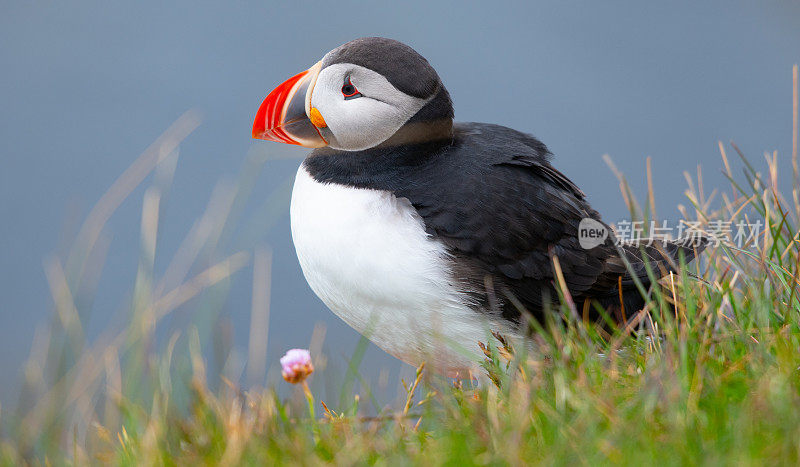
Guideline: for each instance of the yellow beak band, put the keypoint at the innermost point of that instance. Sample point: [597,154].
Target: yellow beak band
[316,118]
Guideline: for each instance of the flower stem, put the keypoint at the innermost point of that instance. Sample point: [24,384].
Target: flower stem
[310,399]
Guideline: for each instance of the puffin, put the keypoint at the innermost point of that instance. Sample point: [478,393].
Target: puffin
[429,236]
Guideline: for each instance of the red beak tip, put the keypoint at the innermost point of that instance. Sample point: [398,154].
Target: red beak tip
[271,116]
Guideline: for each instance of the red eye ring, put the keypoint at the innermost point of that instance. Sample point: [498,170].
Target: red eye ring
[349,91]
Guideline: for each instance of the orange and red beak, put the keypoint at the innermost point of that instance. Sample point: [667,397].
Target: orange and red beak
[286,115]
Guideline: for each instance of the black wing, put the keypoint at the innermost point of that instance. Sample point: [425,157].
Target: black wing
[504,211]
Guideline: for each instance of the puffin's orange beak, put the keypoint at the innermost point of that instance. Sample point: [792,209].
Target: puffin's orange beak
[284,116]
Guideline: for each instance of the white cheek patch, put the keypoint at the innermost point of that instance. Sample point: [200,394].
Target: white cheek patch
[366,121]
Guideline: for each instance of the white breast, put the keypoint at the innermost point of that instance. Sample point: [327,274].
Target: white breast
[365,253]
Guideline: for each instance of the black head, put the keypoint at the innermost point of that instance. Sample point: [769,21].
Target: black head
[401,65]
[366,93]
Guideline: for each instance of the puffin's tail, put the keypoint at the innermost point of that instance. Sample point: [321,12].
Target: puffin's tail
[624,299]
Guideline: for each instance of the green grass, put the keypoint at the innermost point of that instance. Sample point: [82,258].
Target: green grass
[717,383]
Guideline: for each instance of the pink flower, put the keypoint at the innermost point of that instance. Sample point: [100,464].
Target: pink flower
[296,365]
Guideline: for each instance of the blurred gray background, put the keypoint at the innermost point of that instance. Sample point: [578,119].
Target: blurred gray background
[86,86]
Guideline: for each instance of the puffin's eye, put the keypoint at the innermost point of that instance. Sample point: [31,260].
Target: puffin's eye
[349,91]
